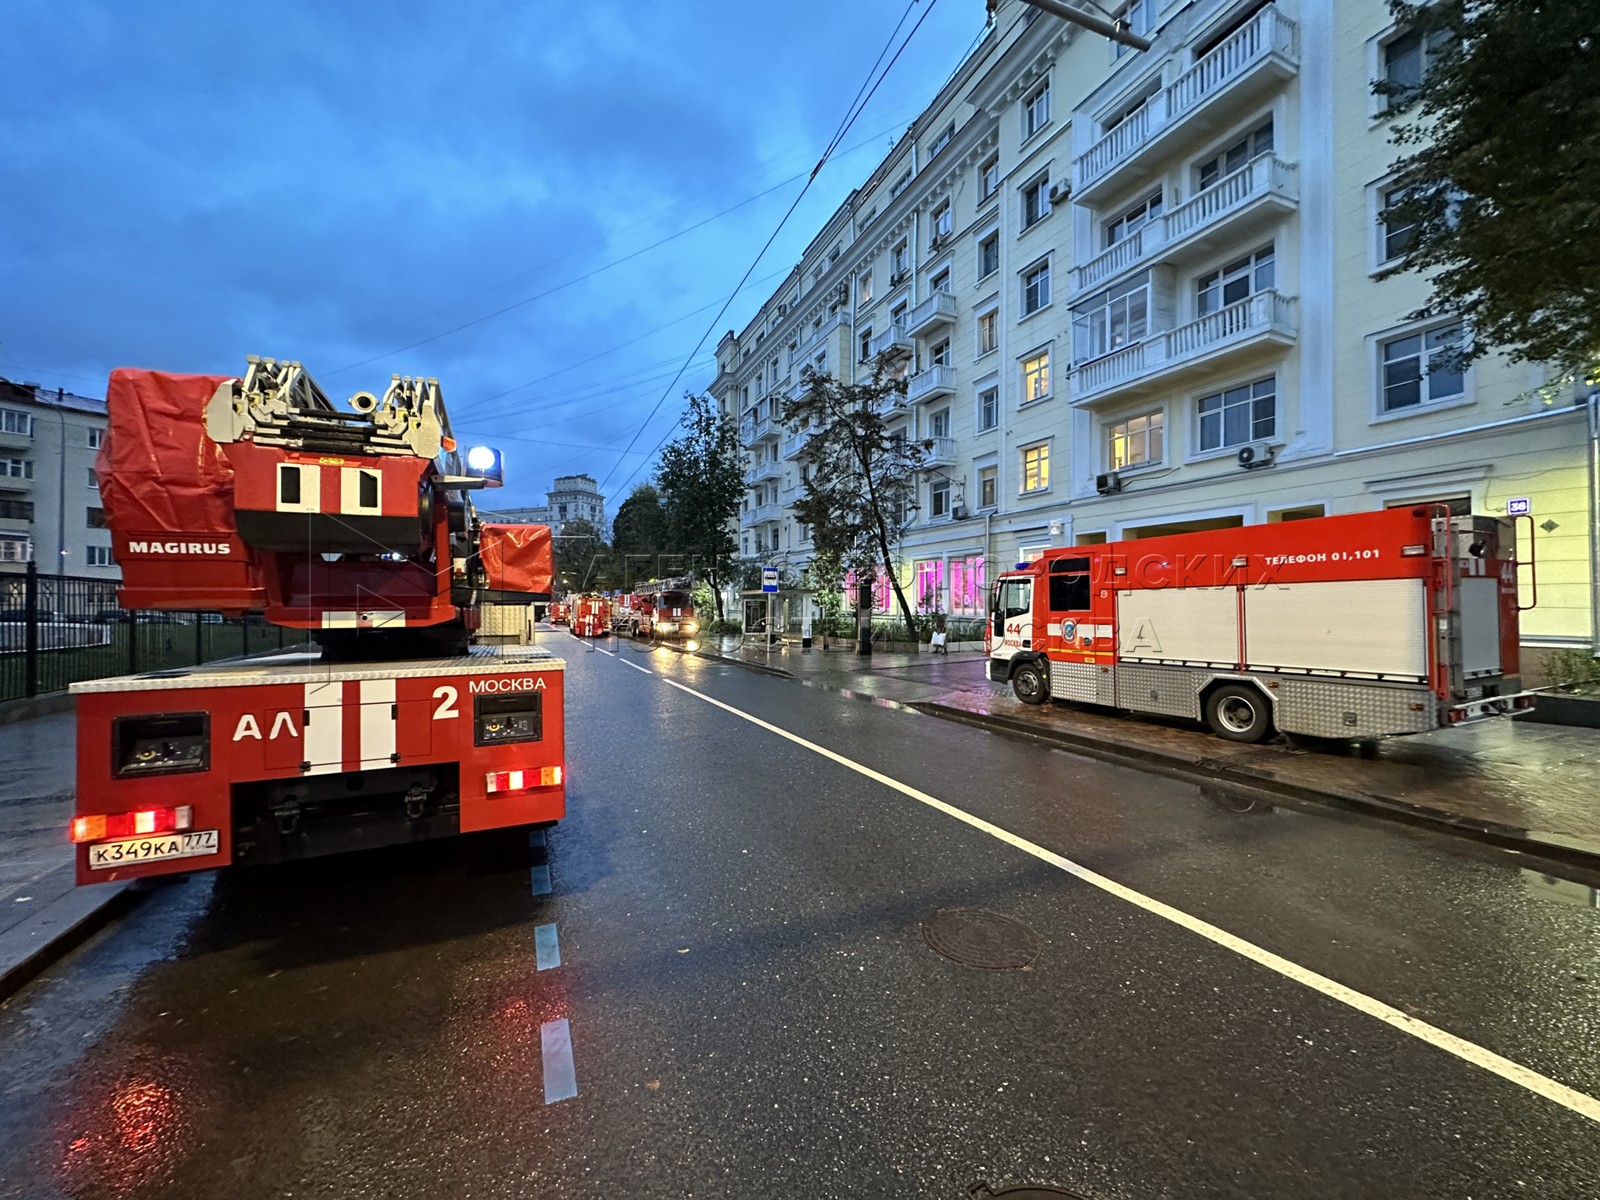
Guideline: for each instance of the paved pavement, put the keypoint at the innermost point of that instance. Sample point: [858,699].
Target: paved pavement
[739,986]
[1521,784]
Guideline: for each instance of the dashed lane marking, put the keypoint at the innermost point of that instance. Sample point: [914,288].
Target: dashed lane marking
[539,877]
[546,947]
[1514,1072]
[555,1048]
[637,667]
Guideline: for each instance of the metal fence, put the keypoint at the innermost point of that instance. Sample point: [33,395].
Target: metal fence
[59,629]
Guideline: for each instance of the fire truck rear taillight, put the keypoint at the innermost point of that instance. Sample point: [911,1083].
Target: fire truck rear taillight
[520,781]
[104,826]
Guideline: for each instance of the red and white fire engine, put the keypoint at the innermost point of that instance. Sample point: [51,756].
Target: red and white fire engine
[1350,627]
[591,616]
[560,612]
[258,495]
[667,611]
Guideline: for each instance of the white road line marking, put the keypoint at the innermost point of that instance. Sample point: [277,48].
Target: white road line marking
[637,667]
[560,1076]
[540,879]
[603,650]
[546,948]
[536,837]
[1541,1085]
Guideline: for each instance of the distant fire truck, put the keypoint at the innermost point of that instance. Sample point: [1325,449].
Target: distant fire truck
[591,616]
[560,612]
[668,612]
[1348,627]
[258,495]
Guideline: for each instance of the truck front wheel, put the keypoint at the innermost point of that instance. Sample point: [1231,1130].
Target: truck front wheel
[1028,682]
[1239,713]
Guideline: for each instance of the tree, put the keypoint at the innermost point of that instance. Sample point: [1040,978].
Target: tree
[1501,176]
[639,534]
[861,485]
[579,556]
[701,478]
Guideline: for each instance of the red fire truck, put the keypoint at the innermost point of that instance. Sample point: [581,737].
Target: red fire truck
[668,612]
[1348,627]
[560,612]
[258,495]
[591,616]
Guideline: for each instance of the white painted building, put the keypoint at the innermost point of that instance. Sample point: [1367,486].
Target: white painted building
[50,509]
[1135,294]
[572,498]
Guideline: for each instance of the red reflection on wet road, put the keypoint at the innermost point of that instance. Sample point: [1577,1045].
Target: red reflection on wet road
[127,1139]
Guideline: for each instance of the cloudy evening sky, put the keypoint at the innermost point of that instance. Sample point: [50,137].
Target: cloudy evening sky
[192,182]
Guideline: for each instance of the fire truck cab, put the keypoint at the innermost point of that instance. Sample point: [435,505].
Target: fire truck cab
[1349,627]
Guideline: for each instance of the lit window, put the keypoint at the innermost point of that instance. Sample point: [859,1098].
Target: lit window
[1136,442]
[1421,368]
[989,255]
[1036,288]
[988,332]
[1036,109]
[1036,468]
[1036,377]
[1239,415]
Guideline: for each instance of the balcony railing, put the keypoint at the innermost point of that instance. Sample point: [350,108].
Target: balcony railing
[796,442]
[1265,182]
[15,483]
[938,309]
[938,380]
[762,514]
[753,427]
[1266,316]
[1265,46]
[940,452]
[762,471]
[893,340]
[14,440]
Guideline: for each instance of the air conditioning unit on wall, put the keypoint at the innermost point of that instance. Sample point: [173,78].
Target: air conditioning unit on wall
[1256,454]
[1108,484]
[1060,192]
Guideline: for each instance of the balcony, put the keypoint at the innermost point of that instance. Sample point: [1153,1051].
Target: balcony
[828,327]
[1265,319]
[938,380]
[1255,195]
[1237,73]
[762,472]
[757,427]
[940,452]
[892,341]
[10,440]
[764,514]
[796,442]
[938,309]
[15,483]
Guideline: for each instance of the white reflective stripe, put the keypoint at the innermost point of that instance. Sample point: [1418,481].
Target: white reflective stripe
[1053,629]
[310,477]
[377,723]
[350,491]
[378,619]
[324,727]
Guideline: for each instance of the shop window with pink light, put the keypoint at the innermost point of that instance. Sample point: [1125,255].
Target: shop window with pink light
[930,586]
[967,589]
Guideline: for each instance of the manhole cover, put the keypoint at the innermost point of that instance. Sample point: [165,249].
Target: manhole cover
[980,1191]
[975,938]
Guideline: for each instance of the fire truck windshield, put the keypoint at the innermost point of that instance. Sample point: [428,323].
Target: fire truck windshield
[675,600]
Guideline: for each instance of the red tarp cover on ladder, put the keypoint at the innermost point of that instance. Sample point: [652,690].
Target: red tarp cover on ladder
[518,559]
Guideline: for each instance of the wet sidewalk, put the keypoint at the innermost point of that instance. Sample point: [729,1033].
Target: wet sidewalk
[1516,784]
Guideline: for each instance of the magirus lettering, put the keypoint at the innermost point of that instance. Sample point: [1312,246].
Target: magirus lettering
[179,547]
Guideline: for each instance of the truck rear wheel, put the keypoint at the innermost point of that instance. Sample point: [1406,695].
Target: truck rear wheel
[1028,683]
[1239,713]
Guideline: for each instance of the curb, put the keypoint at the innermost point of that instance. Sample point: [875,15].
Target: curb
[27,950]
[1501,837]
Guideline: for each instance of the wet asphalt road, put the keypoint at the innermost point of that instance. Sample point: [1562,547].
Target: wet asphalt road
[754,1010]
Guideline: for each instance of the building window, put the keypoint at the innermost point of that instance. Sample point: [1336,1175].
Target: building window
[941,281]
[943,140]
[899,262]
[16,468]
[1136,442]
[864,287]
[1036,287]
[1226,161]
[16,550]
[563,513]
[1036,201]
[989,256]
[1394,235]
[1421,368]
[1407,59]
[1239,415]
[95,518]
[988,487]
[1036,110]
[1134,219]
[16,510]
[939,353]
[943,223]
[989,177]
[1135,16]
[94,480]
[19,423]
[988,332]
[939,423]
[865,340]
[98,556]
[900,184]
[988,408]
[1036,377]
[1035,468]
[1116,317]
[1234,282]
[939,499]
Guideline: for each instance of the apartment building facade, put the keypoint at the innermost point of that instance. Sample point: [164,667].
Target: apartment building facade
[1136,294]
[50,510]
[570,498]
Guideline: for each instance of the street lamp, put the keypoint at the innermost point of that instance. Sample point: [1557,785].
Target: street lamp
[1115,28]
